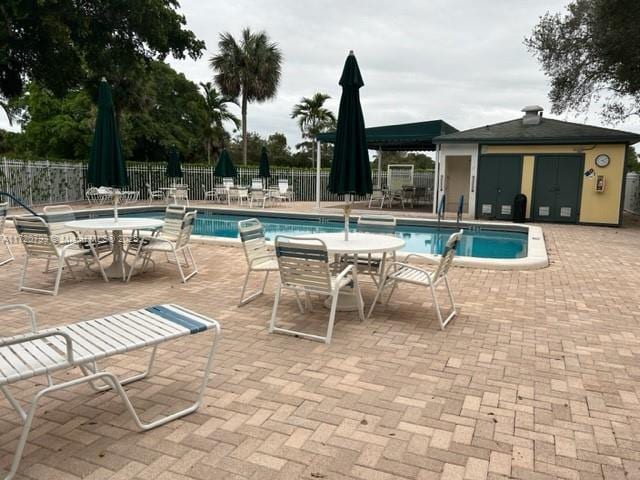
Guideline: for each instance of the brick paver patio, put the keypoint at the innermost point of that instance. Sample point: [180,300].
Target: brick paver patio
[538,377]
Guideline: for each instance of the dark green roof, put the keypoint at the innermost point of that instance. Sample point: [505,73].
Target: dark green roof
[403,137]
[548,131]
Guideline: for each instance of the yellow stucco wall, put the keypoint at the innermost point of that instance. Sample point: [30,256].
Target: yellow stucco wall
[594,207]
[527,180]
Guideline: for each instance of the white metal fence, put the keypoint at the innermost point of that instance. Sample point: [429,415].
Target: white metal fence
[632,193]
[43,182]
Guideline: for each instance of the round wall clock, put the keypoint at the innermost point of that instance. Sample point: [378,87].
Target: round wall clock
[602,160]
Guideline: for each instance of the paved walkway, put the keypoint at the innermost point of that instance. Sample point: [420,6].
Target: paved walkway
[538,377]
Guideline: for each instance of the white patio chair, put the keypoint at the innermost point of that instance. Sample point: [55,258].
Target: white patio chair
[93,196]
[153,194]
[227,182]
[256,184]
[378,195]
[404,272]
[304,268]
[259,259]
[258,196]
[284,192]
[4,242]
[208,194]
[60,349]
[179,194]
[238,194]
[171,240]
[36,238]
[373,263]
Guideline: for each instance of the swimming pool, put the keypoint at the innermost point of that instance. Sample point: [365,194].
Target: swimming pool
[426,239]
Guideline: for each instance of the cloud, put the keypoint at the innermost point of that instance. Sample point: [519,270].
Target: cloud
[461,61]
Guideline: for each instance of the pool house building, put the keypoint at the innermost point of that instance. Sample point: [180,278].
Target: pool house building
[569,172]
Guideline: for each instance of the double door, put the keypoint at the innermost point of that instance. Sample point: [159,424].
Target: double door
[499,181]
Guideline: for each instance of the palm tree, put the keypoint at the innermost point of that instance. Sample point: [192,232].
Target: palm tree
[217,113]
[313,117]
[249,69]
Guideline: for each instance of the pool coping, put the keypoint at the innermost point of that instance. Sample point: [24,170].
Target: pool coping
[536,257]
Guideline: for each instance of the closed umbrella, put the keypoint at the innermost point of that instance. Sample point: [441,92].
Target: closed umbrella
[224,167]
[263,171]
[350,169]
[106,164]
[174,170]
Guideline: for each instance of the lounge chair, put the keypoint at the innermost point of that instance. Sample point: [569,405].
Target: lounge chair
[172,239]
[38,243]
[4,243]
[259,259]
[283,193]
[153,194]
[398,272]
[304,268]
[83,344]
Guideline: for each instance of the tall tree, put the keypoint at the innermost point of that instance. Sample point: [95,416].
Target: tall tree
[67,43]
[313,118]
[591,56]
[249,69]
[217,113]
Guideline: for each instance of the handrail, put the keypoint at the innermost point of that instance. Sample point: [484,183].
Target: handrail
[460,209]
[441,207]
[19,202]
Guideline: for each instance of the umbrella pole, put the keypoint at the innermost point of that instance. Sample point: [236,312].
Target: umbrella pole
[347,213]
[116,197]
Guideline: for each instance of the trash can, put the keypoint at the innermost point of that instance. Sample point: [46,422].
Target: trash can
[520,208]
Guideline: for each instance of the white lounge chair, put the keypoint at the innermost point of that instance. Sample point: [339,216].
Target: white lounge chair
[259,259]
[283,193]
[38,243]
[304,268]
[153,194]
[4,243]
[83,344]
[404,272]
[172,239]
[378,195]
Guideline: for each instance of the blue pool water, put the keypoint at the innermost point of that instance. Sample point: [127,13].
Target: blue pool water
[485,243]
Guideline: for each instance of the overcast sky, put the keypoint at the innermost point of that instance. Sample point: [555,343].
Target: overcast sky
[462,61]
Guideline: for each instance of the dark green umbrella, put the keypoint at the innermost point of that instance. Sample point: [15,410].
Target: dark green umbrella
[106,164]
[350,169]
[173,166]
[224,167]
[264,164]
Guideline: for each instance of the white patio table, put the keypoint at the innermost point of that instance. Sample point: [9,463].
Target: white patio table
[118,268]
[358,244]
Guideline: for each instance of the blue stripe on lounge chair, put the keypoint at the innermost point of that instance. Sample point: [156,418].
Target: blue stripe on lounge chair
[175,317]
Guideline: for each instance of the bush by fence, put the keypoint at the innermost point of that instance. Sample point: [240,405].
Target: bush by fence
[43,182]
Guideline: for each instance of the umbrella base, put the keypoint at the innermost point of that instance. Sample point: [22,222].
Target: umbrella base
[346,301]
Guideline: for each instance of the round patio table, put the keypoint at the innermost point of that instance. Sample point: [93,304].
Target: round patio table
[118,268]
[358,244]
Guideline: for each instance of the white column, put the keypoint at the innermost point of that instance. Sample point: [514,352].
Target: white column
[436,180]
[318,157]
[379,167]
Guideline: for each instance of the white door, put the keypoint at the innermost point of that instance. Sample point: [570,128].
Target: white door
[457,176]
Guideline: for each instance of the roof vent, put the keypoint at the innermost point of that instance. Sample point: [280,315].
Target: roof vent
[532,115]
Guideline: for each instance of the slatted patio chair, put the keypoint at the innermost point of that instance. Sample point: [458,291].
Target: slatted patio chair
[259,258]
[304,268]
[60,349]
[372,263]
[398,272]
[4,242]
[172,240]
[38,243]
[378,195]
[208,194]
[179,194]
[153,194]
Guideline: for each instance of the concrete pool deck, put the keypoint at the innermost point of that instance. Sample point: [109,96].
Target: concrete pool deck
[537,378]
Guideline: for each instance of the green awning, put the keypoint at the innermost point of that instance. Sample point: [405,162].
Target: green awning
[405,137]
